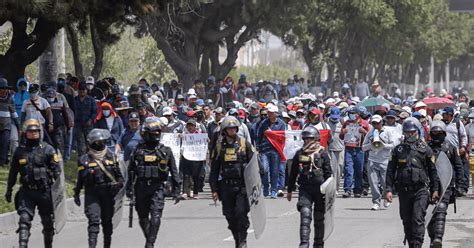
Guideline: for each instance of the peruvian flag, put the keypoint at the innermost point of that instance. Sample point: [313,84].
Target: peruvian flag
[288,142]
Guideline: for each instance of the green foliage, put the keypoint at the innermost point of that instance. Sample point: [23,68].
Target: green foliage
[128,60]
[5,40]
[264,72]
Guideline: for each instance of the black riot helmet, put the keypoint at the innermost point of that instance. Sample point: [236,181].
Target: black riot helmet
[310,132]
[97,139]
[409,125]
[438,132]
[151,130]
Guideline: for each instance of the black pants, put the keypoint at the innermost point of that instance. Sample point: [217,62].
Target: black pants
[191,175]
[149,203]
[57,137]
[413,206]
[235,208]
[437,223]
[309,197]
[99,210]
[26,201]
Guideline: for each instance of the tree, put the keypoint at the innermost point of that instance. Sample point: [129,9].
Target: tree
[189,33]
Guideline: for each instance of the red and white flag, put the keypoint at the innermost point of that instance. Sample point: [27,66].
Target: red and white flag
[288,142]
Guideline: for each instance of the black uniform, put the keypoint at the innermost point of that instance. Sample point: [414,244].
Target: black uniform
[150,165]
[38,166]
[412,173]
[311,170]
[227,180]
[436,226]
[100,190]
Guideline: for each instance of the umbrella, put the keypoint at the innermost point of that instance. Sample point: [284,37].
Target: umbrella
[374,102]
[438,102]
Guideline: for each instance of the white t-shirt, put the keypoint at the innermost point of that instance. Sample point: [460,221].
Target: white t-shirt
[30,110]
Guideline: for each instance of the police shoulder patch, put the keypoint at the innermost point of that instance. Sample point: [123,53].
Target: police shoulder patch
[80,168]
[22,161]
[56,157]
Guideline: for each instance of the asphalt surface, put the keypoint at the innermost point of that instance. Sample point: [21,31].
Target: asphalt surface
[198,223]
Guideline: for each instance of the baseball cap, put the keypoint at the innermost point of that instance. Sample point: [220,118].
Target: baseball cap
[167,111]
[417,115]
[219,110]
[285,115]
[90,80]
[448,110]
[376,118]
[272,108]
[391,113]
[179,97]
[335,113]
[134,116]
[315,111]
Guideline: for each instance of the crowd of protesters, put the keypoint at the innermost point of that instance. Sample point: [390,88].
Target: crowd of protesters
[69,108]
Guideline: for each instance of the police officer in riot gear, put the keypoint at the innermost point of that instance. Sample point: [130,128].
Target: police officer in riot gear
[150,164]
[311,166]
[412,173]
[438,144]
[99,173]
[38,165]
[229,158]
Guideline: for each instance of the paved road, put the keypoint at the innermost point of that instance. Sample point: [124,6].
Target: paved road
[196,223]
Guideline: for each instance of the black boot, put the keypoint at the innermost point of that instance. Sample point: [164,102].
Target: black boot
[153,232]
[93,240]
[24,234]
[145,226]
[236,236]
[305,227]
[318,230]
[48,239]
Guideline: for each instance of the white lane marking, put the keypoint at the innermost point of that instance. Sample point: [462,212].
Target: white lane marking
[288,213]
[231,238]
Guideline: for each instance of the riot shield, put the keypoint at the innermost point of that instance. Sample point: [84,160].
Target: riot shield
[118,199]
[253,185]
[445,174]
[58,197]
[328,188]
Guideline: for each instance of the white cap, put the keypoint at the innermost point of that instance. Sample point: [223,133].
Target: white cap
[164,121]
[355,99]
[420,104]
[191,92]
[285,115]
[321,106]
[90,80]
[154,98]
[422,112]
[272,108]
[192,96]
[167,111]
[335,94]
[407,109]
[330,100]
[376,118]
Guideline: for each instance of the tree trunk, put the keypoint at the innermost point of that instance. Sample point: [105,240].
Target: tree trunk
[205,64]
[25,48]
[48,63]
[98,46]
[76,53]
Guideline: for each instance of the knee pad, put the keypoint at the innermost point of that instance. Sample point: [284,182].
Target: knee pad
[155,220]
[442,207]
[25,219]
[305,216]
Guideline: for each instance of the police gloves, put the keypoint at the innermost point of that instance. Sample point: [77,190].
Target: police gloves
[77,200]
[8,196]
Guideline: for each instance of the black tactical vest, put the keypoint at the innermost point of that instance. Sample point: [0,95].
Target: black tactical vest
[233,159]
[310,169]
[92,173]
[34,167]
[152,164]
[411,170]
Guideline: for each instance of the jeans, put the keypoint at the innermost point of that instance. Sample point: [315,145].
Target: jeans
[4,146]
[281,176]
[467,171]
[353,169]
[67,143]
[80,134]
[271,168]
[377,174]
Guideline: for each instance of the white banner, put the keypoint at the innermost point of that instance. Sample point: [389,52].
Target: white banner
[172,141]
[293,142]
[195,146]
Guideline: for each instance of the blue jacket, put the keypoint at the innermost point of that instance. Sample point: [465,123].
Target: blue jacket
[117,128]
[262,142]
[85,110]
[20,97]
[129,141]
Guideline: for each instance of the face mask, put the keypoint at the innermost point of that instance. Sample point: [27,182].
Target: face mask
[50,99]
[352,117]
[334,120]
[106,113]
[33,95]
[411,139]
[90,86]
[300,119]
[446,122]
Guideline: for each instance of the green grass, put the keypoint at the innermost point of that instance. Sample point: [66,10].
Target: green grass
[70,172]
